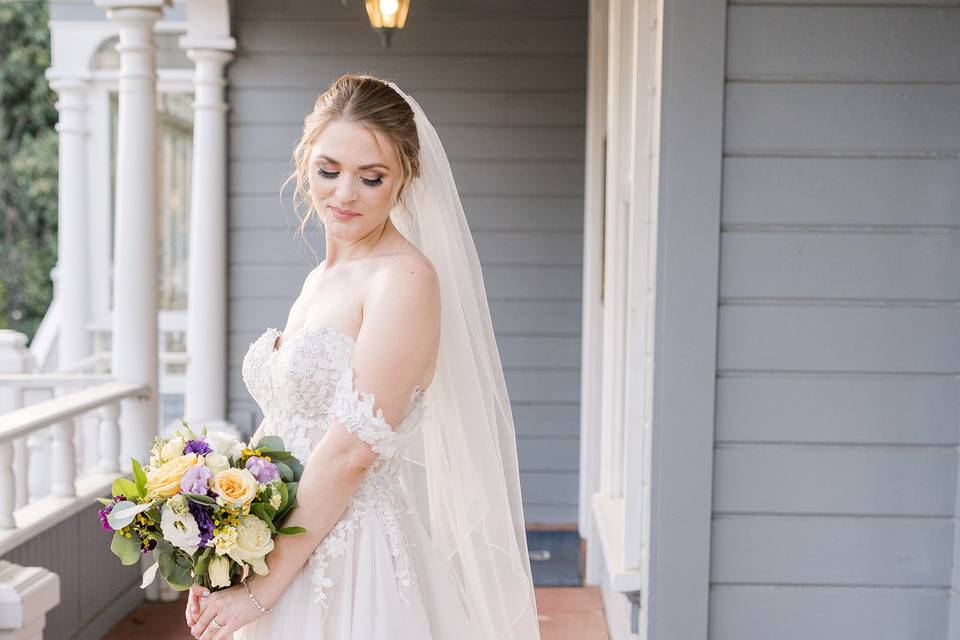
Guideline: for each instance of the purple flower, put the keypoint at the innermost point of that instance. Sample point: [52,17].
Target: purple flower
[196,479]
[263,470]
[103,513]
[202,514]
[199,447]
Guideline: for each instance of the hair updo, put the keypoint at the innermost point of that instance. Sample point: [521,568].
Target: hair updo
[371,103]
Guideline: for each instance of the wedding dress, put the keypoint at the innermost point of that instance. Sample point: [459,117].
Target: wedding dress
[433,544]
[376,575]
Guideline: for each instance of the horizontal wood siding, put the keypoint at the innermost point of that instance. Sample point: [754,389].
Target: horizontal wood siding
[838,395]
[96,591]
[504,84]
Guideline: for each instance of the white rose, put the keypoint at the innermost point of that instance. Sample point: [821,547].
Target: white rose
[254,541]
[180,530]
[219,571]
[216,462]
[225,443]
[172,449]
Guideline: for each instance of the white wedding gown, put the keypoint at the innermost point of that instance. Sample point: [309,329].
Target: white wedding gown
[376,574]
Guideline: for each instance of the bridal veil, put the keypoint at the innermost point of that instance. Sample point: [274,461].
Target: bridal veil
[464,475]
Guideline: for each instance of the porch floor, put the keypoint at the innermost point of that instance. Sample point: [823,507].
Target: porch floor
[566,613]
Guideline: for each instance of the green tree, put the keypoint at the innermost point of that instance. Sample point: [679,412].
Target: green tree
[28,167]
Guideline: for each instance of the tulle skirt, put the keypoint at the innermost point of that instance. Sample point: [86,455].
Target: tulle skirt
[364,598]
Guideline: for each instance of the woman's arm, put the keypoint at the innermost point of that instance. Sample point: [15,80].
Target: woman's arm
[397,344]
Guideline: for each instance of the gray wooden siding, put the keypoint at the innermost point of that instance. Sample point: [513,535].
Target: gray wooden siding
[96,591]
[504,84]
[838,395]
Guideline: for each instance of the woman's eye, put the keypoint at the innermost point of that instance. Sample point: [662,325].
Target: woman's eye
[330,175]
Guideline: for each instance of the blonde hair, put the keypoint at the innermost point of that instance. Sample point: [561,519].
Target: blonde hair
[370,102]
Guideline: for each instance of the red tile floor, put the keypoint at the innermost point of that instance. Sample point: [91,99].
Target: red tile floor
[566,613]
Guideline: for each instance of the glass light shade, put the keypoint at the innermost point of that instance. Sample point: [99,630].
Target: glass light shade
[387,14]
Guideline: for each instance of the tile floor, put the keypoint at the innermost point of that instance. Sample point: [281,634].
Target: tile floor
[566,613]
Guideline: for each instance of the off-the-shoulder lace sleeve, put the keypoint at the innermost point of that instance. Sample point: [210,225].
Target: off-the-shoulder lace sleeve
[354,410]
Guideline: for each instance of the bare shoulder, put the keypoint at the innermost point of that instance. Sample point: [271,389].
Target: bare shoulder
[405,289]
[408,269]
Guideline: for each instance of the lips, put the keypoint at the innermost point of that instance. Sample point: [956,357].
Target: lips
[343,214]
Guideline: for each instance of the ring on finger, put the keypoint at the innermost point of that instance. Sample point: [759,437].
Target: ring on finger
[217,624]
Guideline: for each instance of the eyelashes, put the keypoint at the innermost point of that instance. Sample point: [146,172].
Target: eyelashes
[330,175]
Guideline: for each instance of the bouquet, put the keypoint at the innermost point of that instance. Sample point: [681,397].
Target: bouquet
[208,506]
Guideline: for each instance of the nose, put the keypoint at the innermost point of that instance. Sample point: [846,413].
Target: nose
[346,189]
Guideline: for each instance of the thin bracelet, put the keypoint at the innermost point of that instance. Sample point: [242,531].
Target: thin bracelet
[254,599]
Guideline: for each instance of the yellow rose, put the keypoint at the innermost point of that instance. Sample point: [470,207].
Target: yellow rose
[236,487]
[165,480]
[219,571]
[254,541]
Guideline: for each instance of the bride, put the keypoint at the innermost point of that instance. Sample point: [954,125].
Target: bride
[387,383]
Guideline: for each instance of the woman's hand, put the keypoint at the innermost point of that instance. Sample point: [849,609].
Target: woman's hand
[193,604]
[232,609]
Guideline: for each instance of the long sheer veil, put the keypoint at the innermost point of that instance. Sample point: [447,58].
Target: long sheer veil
[464,473]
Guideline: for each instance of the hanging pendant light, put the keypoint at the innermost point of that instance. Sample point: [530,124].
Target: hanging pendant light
[387,16]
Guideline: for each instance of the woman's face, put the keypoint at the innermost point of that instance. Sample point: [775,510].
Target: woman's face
[354,178]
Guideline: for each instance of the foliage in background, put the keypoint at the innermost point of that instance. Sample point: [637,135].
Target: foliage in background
[28,167]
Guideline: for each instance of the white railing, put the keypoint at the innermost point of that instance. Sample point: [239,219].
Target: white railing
[172,332]
[44,477]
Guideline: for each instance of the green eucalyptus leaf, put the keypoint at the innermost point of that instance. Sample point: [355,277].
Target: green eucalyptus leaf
[296,466]
[273,443]
[127,549]
[286,473]
[176,570]
[202,499]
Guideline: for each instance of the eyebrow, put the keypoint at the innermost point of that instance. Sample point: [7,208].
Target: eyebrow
[364,166]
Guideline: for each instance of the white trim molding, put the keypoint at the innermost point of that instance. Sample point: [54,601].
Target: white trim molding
[209,44]
[26,595]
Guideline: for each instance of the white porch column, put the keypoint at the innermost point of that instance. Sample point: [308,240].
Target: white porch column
[136,259]
[73,288]
[205,397]
[26,595]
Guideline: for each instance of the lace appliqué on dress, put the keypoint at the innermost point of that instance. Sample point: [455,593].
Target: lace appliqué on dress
[294,385]
[354,410]
[379,493]
[377,497]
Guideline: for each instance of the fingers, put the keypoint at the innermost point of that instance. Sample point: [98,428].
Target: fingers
[204,616]
[211,633]
[193,604]
[194,608]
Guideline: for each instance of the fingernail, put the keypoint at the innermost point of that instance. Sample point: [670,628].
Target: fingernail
[206,593]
